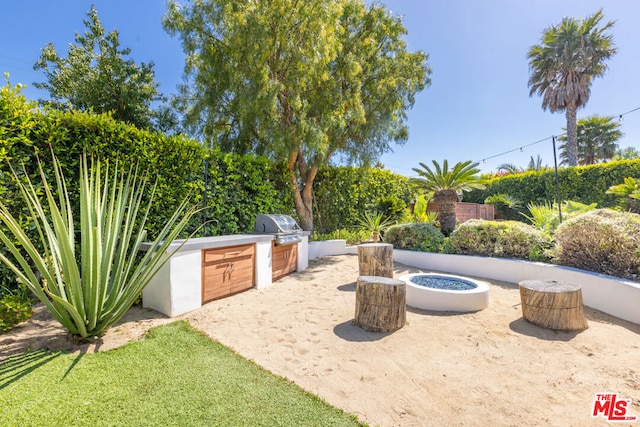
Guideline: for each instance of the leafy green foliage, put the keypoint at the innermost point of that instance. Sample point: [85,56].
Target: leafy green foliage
[241,186]
[627,153]
[505,239]
[297,81]
[421,214]
[628,194]
[584,184]
[392,207]
[342,193]
[95,76]
[547,218]
[15,307]
[506,206]
[89,285]
[417,236]
[603,240]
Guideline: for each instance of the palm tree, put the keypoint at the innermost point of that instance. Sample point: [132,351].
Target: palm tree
[447,185]
[510,168]
[597,140]
[535,164]
[565,63]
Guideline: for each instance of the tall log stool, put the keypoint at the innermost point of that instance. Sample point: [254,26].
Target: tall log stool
[375,259]
[381,303]
[553,304]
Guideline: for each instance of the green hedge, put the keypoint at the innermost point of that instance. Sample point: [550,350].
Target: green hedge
[241,186]
[238,187]
[343,193]
[585,184]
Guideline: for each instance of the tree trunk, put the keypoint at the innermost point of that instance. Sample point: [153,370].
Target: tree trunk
[381,303]
[553,304]
[302,196]
[375,259]
[446,201]
[572,135]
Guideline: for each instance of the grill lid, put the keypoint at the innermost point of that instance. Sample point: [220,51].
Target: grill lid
[276,223]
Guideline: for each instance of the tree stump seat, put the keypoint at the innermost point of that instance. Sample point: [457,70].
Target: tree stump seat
[553,304]
[381,303]
[375,259]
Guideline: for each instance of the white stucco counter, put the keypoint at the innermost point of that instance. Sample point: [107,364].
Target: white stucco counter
[178,286]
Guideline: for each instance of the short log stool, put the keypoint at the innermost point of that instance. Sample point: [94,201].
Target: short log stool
[375,259]
[553,305]
[381,303]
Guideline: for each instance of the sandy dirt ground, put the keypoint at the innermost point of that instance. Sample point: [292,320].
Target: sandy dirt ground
[442,369]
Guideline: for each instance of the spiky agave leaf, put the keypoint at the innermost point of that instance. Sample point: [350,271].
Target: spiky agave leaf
[89,295]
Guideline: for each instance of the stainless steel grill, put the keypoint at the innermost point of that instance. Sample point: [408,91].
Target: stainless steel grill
[285,229]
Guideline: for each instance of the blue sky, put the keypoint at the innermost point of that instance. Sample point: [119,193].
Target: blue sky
[477,107]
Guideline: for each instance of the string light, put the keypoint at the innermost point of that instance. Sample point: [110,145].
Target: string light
[620,116]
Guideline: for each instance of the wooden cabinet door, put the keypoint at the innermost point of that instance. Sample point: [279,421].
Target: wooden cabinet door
[284,260]
[226,271]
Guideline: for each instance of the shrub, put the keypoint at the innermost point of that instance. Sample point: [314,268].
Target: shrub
[506,239]
[15,307]
[604,241]
[417,236]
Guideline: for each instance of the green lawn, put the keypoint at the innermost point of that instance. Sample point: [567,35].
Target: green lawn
[175,377]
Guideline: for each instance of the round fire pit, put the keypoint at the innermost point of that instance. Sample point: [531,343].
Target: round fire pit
[444,292]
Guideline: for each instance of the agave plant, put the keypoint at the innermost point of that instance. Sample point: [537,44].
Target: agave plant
[89,291]
[375,223]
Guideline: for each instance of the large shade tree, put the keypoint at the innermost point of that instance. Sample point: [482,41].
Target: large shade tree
[562,67]
[96,75]
[597,140]
[301,82]
[447,185]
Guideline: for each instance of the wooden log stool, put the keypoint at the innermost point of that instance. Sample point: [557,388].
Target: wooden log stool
[381,303]
[375,259]
[553,304]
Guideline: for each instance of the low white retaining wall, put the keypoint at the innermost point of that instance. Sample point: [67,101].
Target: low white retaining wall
[614,296]
[330,247]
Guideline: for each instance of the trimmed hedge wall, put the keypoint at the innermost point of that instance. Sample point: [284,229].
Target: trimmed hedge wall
[238,187]
[343,193]
[585,184]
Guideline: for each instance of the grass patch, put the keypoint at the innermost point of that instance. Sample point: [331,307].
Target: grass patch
[176,376]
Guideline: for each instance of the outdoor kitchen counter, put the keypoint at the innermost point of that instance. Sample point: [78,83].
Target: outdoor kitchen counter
[213,242]
[178,286]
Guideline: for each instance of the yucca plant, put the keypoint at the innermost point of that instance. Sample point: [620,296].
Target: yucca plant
[87,292]
[375,223]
